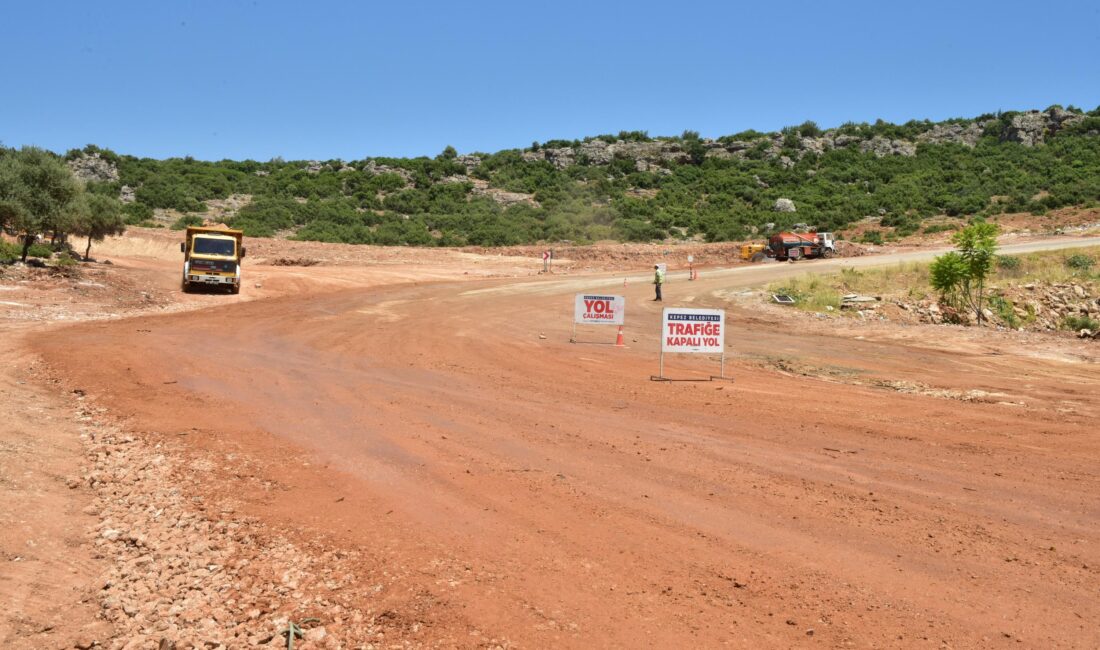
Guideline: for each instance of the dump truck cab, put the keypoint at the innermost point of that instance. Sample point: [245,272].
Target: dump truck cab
[212,257]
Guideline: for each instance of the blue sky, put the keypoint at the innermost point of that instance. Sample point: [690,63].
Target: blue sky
[320,80]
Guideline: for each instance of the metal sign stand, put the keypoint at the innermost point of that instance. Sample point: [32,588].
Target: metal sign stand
[720,376]
[573,338]
[660,376]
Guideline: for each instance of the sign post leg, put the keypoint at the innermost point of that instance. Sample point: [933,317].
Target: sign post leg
[573,339]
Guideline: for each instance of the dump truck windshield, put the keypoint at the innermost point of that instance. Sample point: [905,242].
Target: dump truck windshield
[204,246]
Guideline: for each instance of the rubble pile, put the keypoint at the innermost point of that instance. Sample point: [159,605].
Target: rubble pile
[188,574]
[1032,307]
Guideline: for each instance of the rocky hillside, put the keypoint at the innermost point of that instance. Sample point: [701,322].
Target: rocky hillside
[635,187]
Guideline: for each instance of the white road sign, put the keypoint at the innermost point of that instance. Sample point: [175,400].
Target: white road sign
[693,330]
[590,309]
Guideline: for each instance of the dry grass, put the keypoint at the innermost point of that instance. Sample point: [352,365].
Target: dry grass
[909,280]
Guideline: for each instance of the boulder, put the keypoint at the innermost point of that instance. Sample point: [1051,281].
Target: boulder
[784,205]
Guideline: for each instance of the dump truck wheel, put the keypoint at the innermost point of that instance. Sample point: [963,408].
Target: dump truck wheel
[828,252]
[757,257]
[185,286]
[235,289]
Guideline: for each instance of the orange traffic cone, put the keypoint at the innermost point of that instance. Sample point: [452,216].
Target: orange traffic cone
[619,339]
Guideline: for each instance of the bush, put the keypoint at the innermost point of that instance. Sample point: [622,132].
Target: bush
[1004,309]
[1077,323]
[937,228]
[872,237]
[1079,262]
[187,221]
[9,252]
[136,213]
[1008,262]
[40,250]
[64,261]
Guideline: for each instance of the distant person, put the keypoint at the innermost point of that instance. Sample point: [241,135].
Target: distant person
[658,280]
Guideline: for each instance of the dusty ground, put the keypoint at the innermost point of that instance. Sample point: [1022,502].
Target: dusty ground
[404,445]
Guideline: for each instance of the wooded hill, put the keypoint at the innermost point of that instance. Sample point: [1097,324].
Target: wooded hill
[635,187]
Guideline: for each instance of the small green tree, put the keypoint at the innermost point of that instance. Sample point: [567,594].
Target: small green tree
[948,275]
[97,217]
[960,276]
[36,191]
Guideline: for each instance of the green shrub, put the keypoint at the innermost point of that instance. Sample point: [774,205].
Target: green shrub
[1008,262]
[1077,323]
[1004,308]
[9,252]
[42,250]
[1080,262]
[187,221]
[937,228]
[136,213]
[872,237]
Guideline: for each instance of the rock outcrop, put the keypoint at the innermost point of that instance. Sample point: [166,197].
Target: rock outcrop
[503,197]
[953,133]
[374,168]
[469,161]
[882,147]
[1035,127]
[93,168]
[647,155]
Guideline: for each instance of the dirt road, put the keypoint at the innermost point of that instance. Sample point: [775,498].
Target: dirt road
[505,487]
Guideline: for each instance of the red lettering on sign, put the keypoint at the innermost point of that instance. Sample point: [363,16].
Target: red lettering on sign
[597,306]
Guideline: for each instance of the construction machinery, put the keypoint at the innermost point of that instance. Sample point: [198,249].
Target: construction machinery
[752,252]
[793,246]
[212,257]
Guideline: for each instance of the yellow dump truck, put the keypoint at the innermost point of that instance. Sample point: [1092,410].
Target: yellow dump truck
[212,257]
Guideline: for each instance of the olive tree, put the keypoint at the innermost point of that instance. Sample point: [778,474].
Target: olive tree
[96,217]
[37,191]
